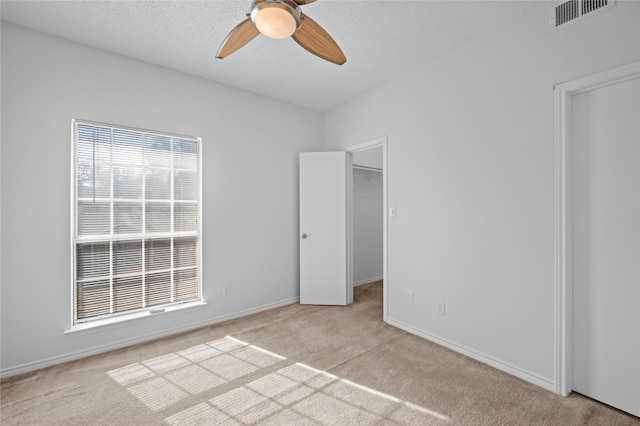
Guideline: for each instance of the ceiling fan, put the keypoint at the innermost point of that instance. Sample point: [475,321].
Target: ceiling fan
[281,19]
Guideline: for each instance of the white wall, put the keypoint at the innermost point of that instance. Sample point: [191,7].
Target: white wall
[367,226]
[250,200]
[471,172]
[370,157]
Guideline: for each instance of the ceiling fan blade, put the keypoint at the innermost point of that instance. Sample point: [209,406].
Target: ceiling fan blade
[303,2]
[316,40]
[242,34]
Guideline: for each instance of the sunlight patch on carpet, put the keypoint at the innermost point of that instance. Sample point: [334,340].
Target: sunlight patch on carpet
[195,379]
[293,394]
[299,394]
[158,394]
[164,380]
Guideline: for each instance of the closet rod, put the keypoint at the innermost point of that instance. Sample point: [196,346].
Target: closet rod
[372,169]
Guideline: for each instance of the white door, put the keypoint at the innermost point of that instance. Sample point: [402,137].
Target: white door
[606,245]
[325,246]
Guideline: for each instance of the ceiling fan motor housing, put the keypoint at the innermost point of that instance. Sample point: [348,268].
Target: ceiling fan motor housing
[268,6]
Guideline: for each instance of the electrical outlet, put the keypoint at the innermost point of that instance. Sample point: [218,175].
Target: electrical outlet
[225,291]
[440,308]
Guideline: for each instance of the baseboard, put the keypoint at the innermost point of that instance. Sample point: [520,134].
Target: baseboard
[367,281]
[48,362]
[500,365]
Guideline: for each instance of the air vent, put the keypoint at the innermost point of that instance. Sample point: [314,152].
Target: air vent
[567,11]
[572,11]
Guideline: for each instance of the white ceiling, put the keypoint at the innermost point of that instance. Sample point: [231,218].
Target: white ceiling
[379,38]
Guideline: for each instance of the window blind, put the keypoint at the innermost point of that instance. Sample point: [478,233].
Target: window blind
[137,232]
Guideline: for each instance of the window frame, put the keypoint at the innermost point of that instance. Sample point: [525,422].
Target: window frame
[75,238]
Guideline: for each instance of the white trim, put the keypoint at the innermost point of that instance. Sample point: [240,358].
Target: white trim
[563,214]
[71,356]
[72,225]
[134,129]
[381,141]
[349,225]
[199,261]
[493,362]
[95,325]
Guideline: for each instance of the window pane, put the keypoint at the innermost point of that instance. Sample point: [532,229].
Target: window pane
[184,185]
[127,147]
[186,284]
[157,184]
[127,257]
[158,288]
[127,182]
[94,144]
[93,184]
[157,217]
[185,252]
[157,254]
[94,218]
[93,299]
[92,260]
[127,293]
[184,217]
[185,154]
[157,150]
[127,218]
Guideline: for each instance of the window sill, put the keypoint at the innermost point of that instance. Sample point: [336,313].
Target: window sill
[95,325]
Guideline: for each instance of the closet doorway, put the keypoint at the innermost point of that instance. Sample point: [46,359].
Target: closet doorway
[369,217]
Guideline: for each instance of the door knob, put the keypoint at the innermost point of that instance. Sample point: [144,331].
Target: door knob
[304,236]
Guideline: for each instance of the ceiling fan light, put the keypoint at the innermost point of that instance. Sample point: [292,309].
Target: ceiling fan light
[275,20]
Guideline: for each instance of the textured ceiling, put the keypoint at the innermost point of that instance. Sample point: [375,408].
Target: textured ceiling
[379,38]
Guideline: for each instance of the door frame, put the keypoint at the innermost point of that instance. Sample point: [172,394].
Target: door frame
[564,214]
[382,142]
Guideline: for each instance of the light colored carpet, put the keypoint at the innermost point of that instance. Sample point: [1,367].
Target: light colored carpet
[293,365]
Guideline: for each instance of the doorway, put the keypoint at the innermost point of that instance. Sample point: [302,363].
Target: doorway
[367,223]
[369,214]
[598,239]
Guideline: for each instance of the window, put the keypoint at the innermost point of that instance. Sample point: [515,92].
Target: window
[136,224]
